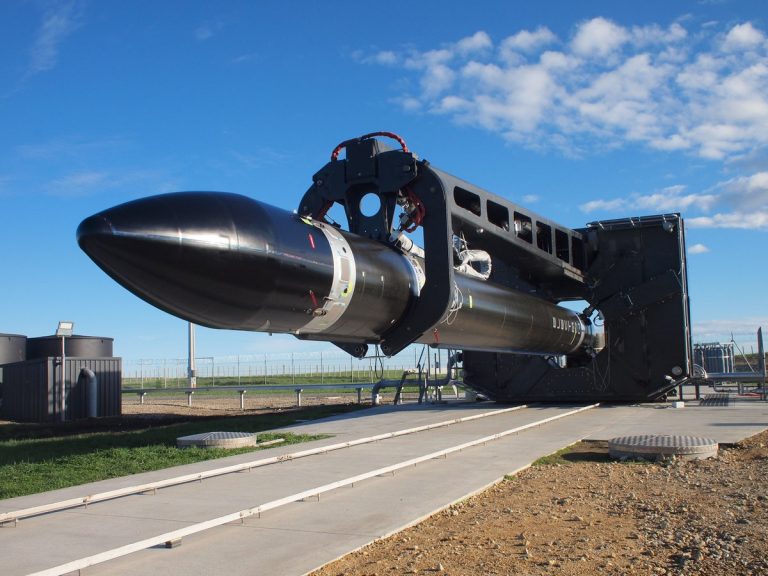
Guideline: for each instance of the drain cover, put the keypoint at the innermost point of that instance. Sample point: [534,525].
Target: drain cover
[720,399]
[652,447]
[217,440]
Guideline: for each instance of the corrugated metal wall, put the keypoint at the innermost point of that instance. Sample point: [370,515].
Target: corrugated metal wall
[26,394]
[109,373]
[31,389]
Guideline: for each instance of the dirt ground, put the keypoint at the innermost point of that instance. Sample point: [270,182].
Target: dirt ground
[588,515]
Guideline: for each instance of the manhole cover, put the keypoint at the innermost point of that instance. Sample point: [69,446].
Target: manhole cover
[653,447]
[217,440]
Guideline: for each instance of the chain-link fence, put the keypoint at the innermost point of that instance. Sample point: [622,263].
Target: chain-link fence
[278,369]
[328,367]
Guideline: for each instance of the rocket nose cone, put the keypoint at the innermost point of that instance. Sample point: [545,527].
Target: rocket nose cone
[174,250]
[92,230]
[128,239]
[215,259]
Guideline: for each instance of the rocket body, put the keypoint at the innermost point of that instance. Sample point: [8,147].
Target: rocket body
[228,261]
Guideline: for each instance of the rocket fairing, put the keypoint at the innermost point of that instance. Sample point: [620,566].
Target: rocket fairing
[228,261]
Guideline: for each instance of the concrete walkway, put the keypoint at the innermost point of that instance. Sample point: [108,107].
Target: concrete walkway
[302,536]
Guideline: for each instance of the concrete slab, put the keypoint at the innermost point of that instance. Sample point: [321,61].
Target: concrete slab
[306,535]
[742,418]
[342,428]
[302,536]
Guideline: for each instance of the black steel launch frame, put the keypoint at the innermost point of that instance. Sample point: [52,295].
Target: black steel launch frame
[632,271]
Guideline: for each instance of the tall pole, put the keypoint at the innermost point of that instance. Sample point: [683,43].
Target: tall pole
[63,381]
[761,362]
[191,376]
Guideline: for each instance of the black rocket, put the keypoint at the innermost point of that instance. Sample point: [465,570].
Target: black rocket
[228,261]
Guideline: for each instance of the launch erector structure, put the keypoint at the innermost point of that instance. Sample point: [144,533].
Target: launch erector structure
[487,280]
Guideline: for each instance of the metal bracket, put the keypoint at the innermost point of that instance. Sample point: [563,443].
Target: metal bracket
[435,297]
[372,168]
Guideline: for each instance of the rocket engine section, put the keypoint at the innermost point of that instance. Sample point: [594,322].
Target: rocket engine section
[488,280]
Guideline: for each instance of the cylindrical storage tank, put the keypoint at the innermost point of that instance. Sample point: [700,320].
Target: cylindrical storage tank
[75,347]
[13,348]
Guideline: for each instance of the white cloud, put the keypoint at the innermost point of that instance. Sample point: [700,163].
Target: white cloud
[437,79]
[598,38]
[665,87]
[626,99]
[669,199]
[478,42]
[743,37]
[527,41]
[655,34]
[531,198]
[385,57]
[741,202]
[698,249]
[59,21]
[382,57]
[409,103]
[604,205]
[701,92]
[747,192]
[747,221]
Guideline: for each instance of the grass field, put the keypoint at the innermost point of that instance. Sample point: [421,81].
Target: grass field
[35,458]
[271,380]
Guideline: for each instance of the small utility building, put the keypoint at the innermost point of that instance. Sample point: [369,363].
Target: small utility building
[31,377]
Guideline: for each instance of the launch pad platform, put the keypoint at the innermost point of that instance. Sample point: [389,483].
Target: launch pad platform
[384,469]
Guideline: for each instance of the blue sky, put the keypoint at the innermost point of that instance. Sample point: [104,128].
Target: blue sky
[577,110]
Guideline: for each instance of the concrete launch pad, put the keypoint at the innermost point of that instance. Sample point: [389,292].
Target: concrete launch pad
[303,535]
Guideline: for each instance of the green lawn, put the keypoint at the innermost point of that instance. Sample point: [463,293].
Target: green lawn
[40,458]
[272,380]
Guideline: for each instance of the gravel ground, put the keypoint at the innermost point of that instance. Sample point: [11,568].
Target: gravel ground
[589,515]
